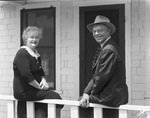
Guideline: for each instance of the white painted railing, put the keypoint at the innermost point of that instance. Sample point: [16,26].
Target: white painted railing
[74,108]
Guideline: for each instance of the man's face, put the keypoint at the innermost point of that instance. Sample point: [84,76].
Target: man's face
[100,33]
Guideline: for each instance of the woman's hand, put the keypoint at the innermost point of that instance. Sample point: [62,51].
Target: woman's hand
[35,84]
[84,102]
[44,85]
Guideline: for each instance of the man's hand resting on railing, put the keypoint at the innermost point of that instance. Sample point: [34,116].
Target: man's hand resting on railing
[84,102]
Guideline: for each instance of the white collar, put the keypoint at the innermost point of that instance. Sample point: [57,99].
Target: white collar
[105,41]
[31,52]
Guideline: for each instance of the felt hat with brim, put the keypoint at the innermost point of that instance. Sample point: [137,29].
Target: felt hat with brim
[104,21]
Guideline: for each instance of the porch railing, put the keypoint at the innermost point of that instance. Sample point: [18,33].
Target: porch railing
[74,108]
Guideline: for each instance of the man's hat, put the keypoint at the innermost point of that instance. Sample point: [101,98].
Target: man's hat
[102,20]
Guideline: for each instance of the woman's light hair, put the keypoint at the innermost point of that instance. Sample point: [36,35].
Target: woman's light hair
[31,29]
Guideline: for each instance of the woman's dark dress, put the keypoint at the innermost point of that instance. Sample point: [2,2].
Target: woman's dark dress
[26,69]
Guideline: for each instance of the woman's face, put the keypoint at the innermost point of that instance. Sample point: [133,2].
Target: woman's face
[100,33]
[33,40]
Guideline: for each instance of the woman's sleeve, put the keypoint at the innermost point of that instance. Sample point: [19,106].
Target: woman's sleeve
[22,65]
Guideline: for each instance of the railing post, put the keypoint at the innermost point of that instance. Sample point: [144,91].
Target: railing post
[30,110]
[98,112]
[148,114]
[123,114]
[11,109]
[51,110]
[74,112]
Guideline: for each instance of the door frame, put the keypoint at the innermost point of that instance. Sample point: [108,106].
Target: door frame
[76,36]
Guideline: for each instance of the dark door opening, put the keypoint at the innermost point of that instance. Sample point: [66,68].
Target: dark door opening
[88,46]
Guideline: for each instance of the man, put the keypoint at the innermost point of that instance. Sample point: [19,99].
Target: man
[108,82]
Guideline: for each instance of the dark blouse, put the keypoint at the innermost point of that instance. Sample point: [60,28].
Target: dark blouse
[26,69]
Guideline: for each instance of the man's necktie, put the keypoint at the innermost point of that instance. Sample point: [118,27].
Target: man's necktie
[96,56]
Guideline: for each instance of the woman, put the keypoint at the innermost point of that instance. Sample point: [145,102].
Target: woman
[29,82]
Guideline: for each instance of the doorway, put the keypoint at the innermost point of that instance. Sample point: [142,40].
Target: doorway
[88,46]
